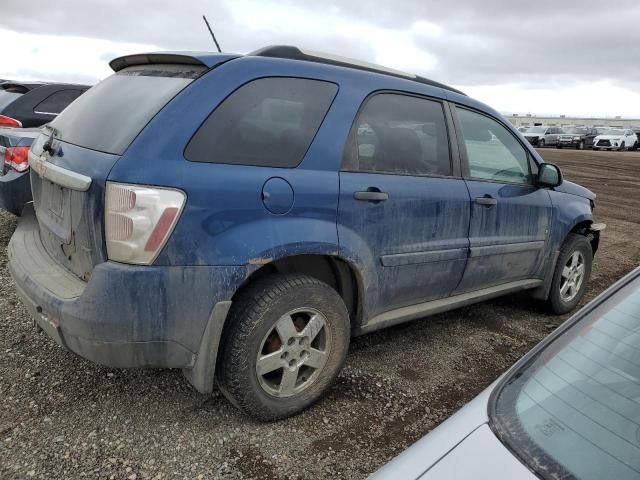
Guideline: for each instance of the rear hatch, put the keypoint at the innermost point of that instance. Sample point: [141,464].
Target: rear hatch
[72,158]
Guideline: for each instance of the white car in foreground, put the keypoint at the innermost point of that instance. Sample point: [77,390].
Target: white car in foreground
[616,139]
[570,409]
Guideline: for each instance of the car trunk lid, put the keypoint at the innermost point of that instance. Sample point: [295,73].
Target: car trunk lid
[68,196]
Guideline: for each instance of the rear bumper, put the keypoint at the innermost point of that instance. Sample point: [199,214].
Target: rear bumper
[125,315]
[15,191]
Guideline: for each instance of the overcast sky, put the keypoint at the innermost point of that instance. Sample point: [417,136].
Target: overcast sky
[542,57]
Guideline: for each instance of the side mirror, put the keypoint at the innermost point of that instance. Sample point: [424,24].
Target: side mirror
[549,175]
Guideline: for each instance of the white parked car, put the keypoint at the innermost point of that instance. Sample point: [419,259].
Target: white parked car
[568,410]
[616,139]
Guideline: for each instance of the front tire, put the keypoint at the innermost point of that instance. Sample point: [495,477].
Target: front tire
[622,147]
[286,342]
[541,143]
[572,273]
[580,145]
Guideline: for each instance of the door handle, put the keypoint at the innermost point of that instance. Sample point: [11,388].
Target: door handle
[486,201]
[372,194]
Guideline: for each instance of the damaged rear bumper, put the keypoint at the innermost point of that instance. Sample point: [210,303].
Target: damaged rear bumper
[125,315]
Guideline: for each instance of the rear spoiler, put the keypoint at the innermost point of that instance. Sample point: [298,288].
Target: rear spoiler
[19,87]
[203,59]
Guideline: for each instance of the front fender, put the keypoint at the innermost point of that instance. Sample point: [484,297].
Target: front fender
[568,212]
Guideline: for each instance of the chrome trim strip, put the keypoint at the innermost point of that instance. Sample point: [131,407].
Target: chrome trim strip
[58,175]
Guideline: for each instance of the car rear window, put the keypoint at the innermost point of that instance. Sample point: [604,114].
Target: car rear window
[58,101]
[267,122]
[573,411]
[7,98]
[110,115]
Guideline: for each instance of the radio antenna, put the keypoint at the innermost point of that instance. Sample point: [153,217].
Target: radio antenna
[211,32]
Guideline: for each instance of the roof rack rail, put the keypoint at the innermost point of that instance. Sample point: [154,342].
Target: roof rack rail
[294,53]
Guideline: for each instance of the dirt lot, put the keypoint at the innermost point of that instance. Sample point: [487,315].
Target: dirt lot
[63,417]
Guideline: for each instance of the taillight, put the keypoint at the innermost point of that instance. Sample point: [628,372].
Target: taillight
[17,158]
[139,220]
[9,122]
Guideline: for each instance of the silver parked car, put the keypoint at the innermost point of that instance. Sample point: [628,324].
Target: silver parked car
[570,409]
[543,136]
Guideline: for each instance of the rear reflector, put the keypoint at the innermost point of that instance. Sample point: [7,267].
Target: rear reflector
[17,158]
[139,220]
[9,122]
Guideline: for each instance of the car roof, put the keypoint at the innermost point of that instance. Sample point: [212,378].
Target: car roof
[211,59]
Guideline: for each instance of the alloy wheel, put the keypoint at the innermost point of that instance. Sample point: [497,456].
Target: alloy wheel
[293,352]
[572,276]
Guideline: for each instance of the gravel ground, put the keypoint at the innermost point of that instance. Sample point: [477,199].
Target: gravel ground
[63,417]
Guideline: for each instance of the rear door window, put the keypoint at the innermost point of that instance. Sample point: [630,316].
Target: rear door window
[267,122]
[110,115]
[56,102]
[400,134]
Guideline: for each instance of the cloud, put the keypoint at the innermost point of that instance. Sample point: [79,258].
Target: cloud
[517,48]
[61,58]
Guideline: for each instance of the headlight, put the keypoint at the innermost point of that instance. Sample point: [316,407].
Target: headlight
[576,138]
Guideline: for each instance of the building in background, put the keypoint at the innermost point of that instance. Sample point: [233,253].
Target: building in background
[530,120]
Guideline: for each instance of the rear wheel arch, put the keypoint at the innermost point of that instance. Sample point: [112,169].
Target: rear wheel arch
[335,271]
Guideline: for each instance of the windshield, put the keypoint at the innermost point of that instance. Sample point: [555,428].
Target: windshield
[575,131]
[537,130]
[573,411]
[110,115]
[612,132]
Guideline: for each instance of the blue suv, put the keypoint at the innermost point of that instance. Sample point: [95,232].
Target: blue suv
[242,216]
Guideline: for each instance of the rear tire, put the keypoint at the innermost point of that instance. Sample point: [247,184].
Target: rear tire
[571,275]
[285,343]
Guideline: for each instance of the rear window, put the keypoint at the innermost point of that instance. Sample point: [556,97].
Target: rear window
[7,98]
[267,122]
[56,102]
[110,115]
[574,411]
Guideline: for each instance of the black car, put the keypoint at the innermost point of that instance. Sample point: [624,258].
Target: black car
[32,104]
[577,137]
